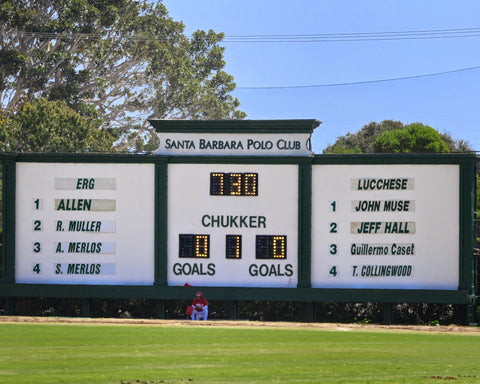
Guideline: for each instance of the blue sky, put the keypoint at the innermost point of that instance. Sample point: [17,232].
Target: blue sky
[448,102]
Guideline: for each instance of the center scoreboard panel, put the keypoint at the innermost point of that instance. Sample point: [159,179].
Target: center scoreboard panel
[233,225]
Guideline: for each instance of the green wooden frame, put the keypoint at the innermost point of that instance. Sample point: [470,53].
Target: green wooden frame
[303,293]
[236,126]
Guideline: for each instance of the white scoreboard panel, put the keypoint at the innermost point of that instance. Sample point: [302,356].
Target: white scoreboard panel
[385,226]
[84,223]
[233,225]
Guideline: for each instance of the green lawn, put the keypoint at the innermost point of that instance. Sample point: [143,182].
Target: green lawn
[75,353]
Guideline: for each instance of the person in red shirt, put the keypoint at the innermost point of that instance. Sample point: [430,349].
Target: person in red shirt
[200,306]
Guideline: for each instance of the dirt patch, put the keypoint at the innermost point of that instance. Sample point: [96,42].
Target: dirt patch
[242,323]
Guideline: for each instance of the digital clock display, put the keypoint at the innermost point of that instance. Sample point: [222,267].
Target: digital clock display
[194,246]
[270,247]
[233,184]
[233,246]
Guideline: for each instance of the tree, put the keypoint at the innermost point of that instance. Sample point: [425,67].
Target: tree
[52,126]
[390,136]
[128,58]
[414,138]
[362,141]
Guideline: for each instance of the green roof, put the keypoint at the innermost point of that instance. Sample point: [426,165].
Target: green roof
[236,126]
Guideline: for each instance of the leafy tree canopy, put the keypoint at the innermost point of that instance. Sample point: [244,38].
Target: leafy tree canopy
[127,58]
[51,126]
[414,138]
[394,136]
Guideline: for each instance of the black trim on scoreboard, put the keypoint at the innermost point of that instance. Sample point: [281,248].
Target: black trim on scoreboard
[194,246]
[270,247]
[233,184]
[233,246]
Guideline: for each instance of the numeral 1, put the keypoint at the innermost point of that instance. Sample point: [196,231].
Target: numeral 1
[37,204]
[333,204]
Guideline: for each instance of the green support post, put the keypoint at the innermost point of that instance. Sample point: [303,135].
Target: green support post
[160,309]
[232,310]
[85,308]
[310,312]
[387,309]
[10,306]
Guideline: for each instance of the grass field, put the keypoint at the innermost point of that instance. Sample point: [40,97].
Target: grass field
[91,353]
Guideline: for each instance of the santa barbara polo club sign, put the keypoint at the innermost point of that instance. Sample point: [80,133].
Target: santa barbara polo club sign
[235,137]
[292,144]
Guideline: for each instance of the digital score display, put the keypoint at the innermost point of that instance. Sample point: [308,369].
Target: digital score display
[233,184]
[233,246]
[271,247]
[266,246]
[240,241]
[194,246]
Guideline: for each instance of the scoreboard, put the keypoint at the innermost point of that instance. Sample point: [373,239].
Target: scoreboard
[238,226]
[241,209]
